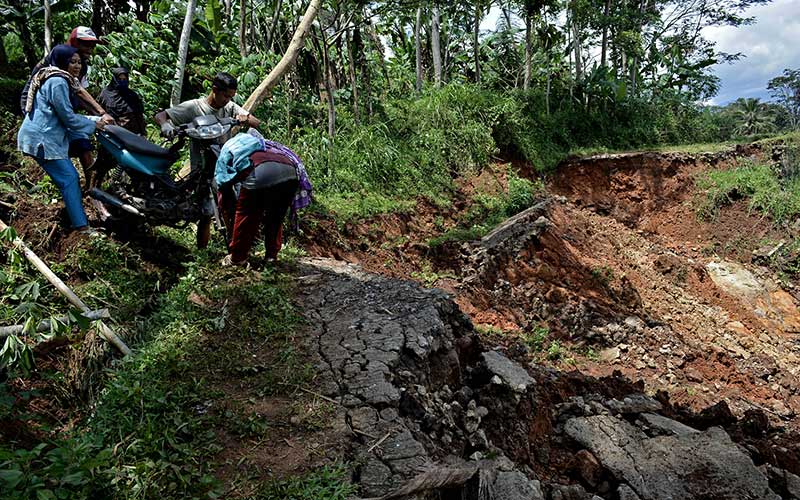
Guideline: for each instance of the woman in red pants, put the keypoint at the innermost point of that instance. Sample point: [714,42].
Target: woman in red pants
[265,193]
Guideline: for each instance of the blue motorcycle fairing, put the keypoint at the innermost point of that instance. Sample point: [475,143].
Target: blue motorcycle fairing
[146,164]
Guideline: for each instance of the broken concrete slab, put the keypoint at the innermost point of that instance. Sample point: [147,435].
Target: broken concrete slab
[515,485]
[696,465]
[511,374]
[633,403]
[665,426]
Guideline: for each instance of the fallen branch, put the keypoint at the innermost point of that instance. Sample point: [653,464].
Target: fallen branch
[380,442]
[439,477]
[764,409]
[43,326]
[105,331]
[288,59]
[309,391]
[366,434]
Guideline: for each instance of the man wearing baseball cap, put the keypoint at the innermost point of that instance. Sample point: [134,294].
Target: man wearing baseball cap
[84,39]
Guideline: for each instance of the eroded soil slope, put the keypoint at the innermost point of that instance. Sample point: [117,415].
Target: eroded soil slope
[615,271]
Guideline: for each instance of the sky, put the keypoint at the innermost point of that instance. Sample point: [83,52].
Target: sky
[768,46]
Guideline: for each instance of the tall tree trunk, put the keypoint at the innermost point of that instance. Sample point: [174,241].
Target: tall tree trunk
[98,7]
[418,48]
[273,25]
[288,59]
[526,83]
[444,43]
[28,49]
[243,28]
[48,30]
[476,47]
[506,14]
[254,33]
[142,10]
[547,94]
[3,56]
[330,87]
[436,48]
[361,61]
[338,70]
[183,50]
[376,42]
[576,40]
[351,63]
[604,42]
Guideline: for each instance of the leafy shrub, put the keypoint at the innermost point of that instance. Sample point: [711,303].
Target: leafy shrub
[757,182]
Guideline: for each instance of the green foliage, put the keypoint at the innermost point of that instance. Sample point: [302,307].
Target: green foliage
[767,193]
[536,339]
[428,276]
[148,50]
[603,275]
[329,482]
[555,351]
[151,433]
[26,302]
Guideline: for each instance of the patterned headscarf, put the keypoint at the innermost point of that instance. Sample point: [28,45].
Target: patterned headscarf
[59,62]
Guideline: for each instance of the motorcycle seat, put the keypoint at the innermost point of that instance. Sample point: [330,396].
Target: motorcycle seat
[136,143]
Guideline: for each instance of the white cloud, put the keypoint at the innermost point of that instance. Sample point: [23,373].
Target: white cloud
[769,46]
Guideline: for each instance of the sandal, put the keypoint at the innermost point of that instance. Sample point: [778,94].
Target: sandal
[227,261]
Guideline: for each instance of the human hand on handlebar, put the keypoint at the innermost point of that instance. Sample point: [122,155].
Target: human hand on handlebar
[107,119]
[243,119]
[168,130]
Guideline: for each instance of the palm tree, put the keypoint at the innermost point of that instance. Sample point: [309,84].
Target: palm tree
[753,116]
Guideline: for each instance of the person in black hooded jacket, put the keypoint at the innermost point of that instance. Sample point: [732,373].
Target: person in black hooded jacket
[122,103]
[127,108]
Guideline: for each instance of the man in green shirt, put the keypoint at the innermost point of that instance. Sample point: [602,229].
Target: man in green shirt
[219,103]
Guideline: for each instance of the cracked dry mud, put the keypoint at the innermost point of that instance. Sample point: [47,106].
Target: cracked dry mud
[424,399]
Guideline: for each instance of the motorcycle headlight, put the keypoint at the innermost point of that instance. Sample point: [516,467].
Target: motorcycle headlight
[208,131]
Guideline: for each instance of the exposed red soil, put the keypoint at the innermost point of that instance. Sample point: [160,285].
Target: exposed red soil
[626,242]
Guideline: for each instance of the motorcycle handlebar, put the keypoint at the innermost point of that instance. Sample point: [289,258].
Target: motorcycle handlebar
[182,129]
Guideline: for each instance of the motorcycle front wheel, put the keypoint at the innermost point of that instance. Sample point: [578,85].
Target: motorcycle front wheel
[204,231]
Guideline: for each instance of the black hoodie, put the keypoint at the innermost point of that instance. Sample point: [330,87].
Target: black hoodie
[123,104]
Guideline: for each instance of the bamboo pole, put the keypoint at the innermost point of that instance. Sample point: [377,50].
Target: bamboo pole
[105,331]
[44,325]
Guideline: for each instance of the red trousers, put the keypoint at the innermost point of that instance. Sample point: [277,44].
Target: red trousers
[254,207]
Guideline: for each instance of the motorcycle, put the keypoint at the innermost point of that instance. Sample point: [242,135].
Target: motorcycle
[141,188]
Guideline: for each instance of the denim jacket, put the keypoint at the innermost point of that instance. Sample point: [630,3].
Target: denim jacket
[46,129]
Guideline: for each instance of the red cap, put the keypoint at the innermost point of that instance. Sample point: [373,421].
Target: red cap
[84,34]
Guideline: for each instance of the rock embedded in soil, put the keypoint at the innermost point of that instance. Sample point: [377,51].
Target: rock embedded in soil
[696,465]
[515,485]
[509,372]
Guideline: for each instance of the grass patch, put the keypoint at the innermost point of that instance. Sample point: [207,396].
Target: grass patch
[153,431]
[330,483]
[347,207]
[708,147]
[490,209]
[767,193]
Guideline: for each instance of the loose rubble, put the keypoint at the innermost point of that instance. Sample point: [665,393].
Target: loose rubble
[428,404]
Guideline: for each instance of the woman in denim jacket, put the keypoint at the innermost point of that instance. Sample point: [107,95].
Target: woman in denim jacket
[49,122]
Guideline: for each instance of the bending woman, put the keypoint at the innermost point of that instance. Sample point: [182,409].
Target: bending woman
[50,121]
